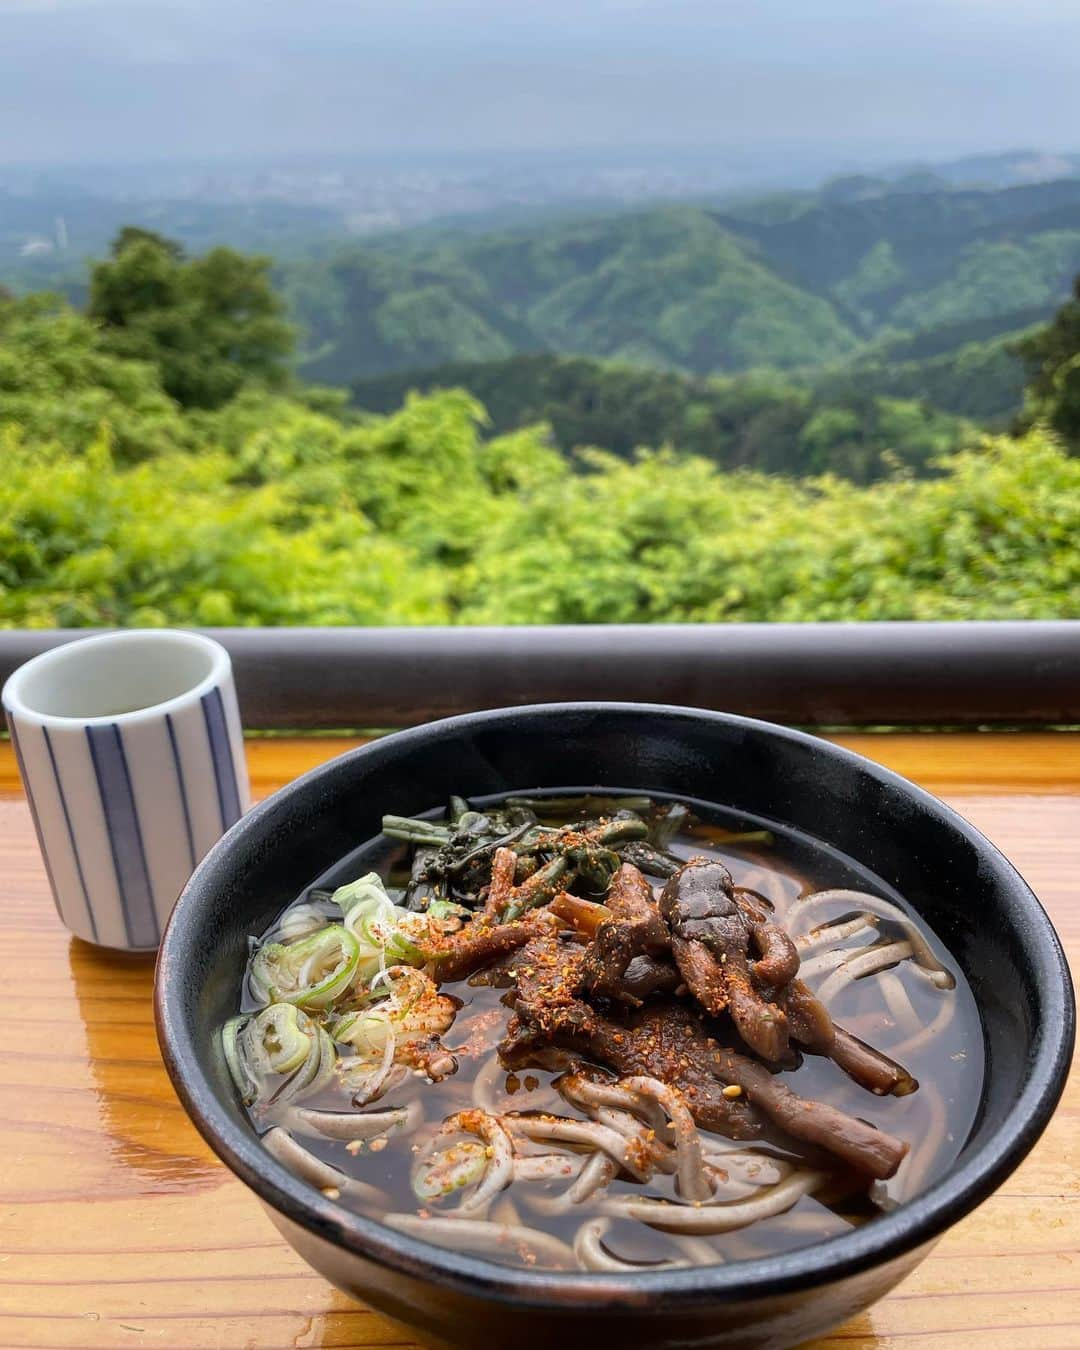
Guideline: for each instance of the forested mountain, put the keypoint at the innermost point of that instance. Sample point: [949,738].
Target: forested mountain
[669,288]
[917,260]
[53,217]
[793,282]
[47,236]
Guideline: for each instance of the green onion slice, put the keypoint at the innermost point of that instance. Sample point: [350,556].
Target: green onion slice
[280,1041]
[312,972]
[379,926]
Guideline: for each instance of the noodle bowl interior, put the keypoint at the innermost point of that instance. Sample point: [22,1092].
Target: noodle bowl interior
[606,1034]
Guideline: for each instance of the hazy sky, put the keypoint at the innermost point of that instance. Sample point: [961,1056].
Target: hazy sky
[160,79]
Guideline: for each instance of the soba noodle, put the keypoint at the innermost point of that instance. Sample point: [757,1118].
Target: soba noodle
[550,1033]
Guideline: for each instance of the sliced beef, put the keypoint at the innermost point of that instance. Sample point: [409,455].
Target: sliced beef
[634,930]
[813,1028]
[667,1039]
[711,936]
[545,980]
[645,976]
[777,961]
[658,1051]
[869,1067]
[454,956]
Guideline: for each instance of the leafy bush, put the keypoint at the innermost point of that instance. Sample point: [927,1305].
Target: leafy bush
[670,539]
[85,541]
[416,518]
[57,382]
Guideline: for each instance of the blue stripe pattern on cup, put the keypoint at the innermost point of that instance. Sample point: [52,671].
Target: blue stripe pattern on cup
[178,763]
[70,829]
[125,835]
[221,753]
[13,729]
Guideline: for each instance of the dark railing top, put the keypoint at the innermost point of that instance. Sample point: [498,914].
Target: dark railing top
[810,674]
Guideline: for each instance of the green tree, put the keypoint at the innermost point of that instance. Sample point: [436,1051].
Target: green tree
[58,383]
[759,419]
[210,324]
[1051,356]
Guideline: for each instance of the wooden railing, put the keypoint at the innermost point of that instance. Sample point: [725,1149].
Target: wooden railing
[814,674]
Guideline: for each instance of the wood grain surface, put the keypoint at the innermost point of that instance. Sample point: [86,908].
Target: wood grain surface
[119,1228]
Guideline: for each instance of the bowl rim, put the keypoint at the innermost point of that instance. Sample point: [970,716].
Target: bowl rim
[918,1222]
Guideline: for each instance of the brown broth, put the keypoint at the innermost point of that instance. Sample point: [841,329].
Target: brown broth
[936,1120]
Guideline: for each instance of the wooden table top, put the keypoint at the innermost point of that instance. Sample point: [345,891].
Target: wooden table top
[119,1228]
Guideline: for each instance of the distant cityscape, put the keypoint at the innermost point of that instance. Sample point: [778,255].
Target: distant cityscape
[373,194]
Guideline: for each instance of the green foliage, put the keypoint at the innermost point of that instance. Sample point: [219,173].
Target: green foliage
[1052,358]
[761,420]
[877,273]
[119,506]
[673,285]
[421,324]
[282,513]
[210,324]
[950,338]
[671,539]
[178,540]
[60,382]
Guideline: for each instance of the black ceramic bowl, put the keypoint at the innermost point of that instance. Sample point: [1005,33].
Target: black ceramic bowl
[980,907]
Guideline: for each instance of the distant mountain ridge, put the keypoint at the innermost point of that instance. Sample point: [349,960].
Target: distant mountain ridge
[925,231]
[1007,168]
[806,283]
[670,288]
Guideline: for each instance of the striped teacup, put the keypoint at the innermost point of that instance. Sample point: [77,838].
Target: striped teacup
[130,751]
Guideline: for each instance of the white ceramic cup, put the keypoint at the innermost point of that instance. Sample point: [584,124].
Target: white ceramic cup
[131,753]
